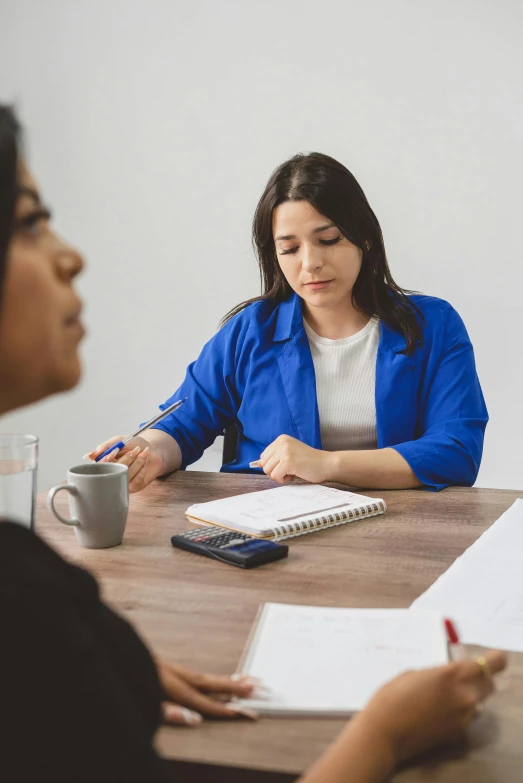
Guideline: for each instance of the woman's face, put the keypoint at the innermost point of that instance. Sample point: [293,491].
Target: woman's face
[40,328]
[316,259]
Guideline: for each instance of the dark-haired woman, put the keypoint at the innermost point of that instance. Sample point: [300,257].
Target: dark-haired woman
[334,373]
[80,694]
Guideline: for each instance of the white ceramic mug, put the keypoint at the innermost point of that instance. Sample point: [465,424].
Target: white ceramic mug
[98,503]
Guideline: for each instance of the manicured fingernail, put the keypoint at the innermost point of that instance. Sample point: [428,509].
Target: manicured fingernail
[243,711]
[262,691]
[87,456]
[145,453]
[189,717]
[246,679]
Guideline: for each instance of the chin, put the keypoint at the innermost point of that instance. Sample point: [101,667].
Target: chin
[65,378]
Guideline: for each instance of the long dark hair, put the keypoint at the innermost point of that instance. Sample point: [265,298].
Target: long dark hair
[9,134]
[334,192]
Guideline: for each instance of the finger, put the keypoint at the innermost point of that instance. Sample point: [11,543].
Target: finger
[495,659]
[271,464]
[216,683]
[267,453]
[124,457]
[103,447]
[197,701]
[142,479]
[140,463]
[279,473]
[181,716]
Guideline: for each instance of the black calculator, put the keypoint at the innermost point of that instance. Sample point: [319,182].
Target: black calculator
[230,547]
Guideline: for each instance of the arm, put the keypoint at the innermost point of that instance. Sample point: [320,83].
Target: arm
[410,715]
[379,469]
[181,438]
[453,415]
[287,457]
[448,451]
[68,708]
[359,755]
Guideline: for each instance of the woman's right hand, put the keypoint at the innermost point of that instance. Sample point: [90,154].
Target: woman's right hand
[143,459]
[422,709]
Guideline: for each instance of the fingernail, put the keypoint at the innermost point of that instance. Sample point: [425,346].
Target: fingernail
[145,453]
[87,456]
[243,711]
[190,718]
[246,679]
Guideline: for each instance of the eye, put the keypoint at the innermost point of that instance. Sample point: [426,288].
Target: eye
[331,241]
[34,221]
[286,252]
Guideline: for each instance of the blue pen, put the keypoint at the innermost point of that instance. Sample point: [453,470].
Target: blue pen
[145,426]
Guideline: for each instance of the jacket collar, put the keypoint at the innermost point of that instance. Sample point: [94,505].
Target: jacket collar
[289,320]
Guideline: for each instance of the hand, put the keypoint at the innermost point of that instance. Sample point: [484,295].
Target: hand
[287,457]
[187,693]
[143,460]
[422,709]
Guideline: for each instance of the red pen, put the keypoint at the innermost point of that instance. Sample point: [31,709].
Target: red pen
[456,649]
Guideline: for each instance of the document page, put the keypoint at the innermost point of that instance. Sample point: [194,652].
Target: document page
[330,661]
[482,591]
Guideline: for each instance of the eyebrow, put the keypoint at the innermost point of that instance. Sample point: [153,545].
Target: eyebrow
[24,190]
[316,231]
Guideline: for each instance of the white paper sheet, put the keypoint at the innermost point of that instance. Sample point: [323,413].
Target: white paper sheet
[329,661]
[482,591]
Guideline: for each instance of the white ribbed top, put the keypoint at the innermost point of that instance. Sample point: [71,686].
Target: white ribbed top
[345,387]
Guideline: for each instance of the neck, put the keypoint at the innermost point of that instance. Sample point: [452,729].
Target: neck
[335,322]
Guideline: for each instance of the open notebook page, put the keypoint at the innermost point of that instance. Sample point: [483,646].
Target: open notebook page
[329,661]
[259,512]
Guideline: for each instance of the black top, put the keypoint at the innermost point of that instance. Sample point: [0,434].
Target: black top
[79,692]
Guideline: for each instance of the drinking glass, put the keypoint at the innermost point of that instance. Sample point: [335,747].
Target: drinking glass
[18,467]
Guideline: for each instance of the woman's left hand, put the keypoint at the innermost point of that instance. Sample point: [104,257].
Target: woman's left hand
[189,694]
[287,457]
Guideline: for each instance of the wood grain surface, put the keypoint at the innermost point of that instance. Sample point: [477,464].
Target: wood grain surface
[198,612]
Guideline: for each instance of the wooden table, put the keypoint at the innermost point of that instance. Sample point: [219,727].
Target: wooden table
[198,612]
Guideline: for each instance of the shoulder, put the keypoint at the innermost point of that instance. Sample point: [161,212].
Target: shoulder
[439,316]
[28,563]
[256,321]
[257,314]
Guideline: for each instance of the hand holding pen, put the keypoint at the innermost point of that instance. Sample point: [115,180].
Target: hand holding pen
[146,459]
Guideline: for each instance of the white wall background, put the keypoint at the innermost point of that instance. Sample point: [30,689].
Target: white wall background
[154,125]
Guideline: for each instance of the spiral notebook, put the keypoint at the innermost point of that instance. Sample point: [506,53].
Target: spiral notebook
[329,661]
[286,512]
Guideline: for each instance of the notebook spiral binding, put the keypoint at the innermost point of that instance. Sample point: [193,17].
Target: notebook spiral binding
[304,526]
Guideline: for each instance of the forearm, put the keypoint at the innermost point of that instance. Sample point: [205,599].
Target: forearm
[166,446]
[359,755]
[376,469]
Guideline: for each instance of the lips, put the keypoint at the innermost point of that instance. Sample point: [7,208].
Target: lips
[316,285]
[73,318]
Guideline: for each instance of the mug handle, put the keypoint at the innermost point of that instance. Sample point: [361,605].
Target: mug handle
[50,503]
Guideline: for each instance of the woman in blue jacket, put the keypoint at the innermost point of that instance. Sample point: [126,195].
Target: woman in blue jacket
[334,373]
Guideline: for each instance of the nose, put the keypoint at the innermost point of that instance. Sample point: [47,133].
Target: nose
[311,259]
[69,261]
